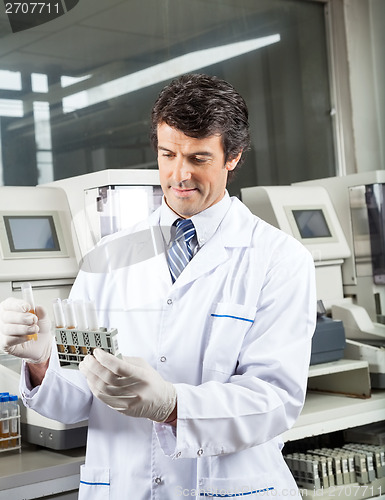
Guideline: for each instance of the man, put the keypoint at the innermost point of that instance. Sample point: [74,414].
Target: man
[215,325]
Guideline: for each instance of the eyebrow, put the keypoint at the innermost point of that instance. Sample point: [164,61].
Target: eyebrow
[195,153]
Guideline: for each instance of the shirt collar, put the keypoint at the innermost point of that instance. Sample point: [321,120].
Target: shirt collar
[206,222]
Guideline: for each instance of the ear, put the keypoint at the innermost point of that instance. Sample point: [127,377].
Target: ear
[231,164]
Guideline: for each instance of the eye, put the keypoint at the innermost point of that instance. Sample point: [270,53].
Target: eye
[199,159]
[167,155]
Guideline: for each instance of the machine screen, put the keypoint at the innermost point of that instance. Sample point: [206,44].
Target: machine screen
[31,233]
[311,223]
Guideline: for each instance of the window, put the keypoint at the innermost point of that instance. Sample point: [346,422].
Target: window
[78,90]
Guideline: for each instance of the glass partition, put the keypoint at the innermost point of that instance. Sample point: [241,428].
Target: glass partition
[76,91]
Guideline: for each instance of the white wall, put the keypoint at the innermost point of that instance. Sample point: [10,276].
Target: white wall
[365,37]
[377,19]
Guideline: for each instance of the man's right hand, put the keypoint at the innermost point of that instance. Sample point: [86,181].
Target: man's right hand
[17,323]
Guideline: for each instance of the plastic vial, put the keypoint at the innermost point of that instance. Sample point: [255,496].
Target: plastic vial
[69,313]
[26,290]
[92,317]
[58,312]
[14,414]
[4,421]
[81,316]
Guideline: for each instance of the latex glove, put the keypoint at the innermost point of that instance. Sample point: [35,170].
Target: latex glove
[129,385]
[16,323]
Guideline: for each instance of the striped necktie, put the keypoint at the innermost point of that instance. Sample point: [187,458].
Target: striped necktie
[180,252]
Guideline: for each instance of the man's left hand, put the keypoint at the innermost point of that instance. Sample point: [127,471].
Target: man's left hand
[129,385]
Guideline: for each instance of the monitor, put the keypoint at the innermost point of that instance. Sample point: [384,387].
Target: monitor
[311,223]
[31,233]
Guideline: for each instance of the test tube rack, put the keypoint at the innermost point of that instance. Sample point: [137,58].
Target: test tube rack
[74,344]
[11,442]
[332,467]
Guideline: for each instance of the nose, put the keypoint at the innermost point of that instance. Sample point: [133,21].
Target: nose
[182,170]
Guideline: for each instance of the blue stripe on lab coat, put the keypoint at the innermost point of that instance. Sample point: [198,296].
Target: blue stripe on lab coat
[232,495]
[95,484]
[234,317]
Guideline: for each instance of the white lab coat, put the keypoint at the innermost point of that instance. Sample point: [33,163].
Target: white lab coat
[233,334]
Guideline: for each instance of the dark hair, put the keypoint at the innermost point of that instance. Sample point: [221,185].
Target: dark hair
[201,106]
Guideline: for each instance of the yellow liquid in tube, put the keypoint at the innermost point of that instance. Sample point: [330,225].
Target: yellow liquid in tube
[4,422]
[34,335]
[13,424]
[26,290]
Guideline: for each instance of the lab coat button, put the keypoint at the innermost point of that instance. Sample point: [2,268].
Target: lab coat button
[169,302]
[200,452]
[178,454]
[163,359]
[158,480]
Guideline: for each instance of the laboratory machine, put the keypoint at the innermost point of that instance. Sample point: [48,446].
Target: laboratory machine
[45,232]
[307,214]
[107,201]
[359,200]
[36,246]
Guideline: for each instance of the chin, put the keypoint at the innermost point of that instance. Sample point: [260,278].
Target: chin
[185,212]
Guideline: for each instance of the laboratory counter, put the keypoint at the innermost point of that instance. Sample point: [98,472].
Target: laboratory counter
[38,472]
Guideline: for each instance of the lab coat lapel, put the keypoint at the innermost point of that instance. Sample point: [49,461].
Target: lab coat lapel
[209,256]
[234,231]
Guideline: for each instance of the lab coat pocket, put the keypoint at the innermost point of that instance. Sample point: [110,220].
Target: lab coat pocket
[94,483]
[228,325]
[253,487]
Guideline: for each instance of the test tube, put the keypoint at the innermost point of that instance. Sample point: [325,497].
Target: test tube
[81,316]
[58,314]
[14,414]
[60,321]
[26,290]
[69,313]
[92,317]
[4,421]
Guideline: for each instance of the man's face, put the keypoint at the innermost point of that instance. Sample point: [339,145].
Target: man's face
[193,172]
